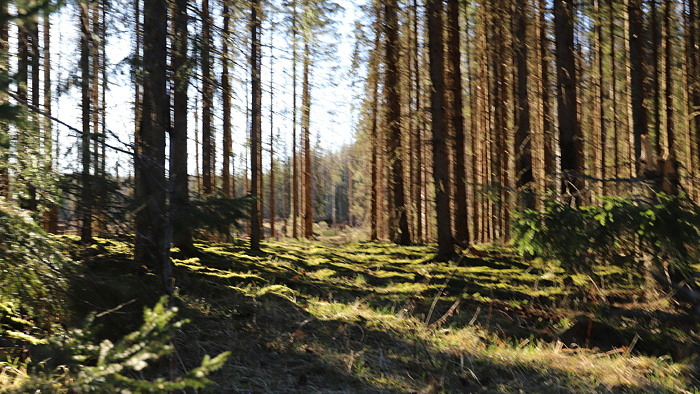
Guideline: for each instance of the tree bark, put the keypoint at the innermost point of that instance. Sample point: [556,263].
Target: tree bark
[256,126]
[305,123]
[441,177]
[393,115]
[295,157]
[456,119]
[637,74]
[152,245]
[523,136]
[182,234]
[207,97]
[570,142]
[226,103]
[86,195]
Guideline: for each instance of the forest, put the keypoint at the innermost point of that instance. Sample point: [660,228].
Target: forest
[417,196]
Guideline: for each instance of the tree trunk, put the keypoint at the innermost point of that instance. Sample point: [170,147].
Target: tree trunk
[256,125]
[226,103]
[600,107]
[417,140]
[441,177]
[374,134]
[456,119]
[547,128]
[4,129]
[693,56]
[393,115]
[655,76]
[86,194]
[523,136]
[668,51]
[207,97]
[182,234]
[272,142]
[305,123]
[570,142]
[295,157]
[637,74]
[51,216]
[152,244]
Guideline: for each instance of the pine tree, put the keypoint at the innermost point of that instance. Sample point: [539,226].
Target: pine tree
[441,177]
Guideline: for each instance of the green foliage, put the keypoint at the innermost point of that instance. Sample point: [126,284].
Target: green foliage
[666,228]
[217,213]
[32,268]
[121,366]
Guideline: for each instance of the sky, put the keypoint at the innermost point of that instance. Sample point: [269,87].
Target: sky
[333,116]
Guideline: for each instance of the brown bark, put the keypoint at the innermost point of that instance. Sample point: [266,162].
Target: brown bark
[51,216]
[693,56]
[600,108]
[418,130]
[547,128]
[255,129]
[393,115]
[305,123]
[295,158]
[4,130]
[86,195]
[441,177]
[272,144]
[523,134]
[570,142]
[637,73]
[226,103]
[456,121]
[655,74]
[182,234]
[207,97]
[668,50]
[374,176]
[152,245]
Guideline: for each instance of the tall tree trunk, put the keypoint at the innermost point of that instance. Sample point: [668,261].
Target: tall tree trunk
[668,51]
[226,103]
[182,234]
[272,140]
[437,109]
[655,76]
[570,142]
[295,158]
[523,136]
[600,108]
[637,74]
[152,243]
[4,130]
[693,56]
[256,125]
[305,123]
[393,115]
[51,217]
[613,91]
[374,133]
[547,128]
[86,193]
[419,123]
[456,121]
[208,154]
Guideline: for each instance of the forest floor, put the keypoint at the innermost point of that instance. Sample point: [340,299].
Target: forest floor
[324,316]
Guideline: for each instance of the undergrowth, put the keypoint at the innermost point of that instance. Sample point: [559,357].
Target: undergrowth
[307,316]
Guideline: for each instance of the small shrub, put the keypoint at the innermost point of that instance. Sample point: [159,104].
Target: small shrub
[667,229]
